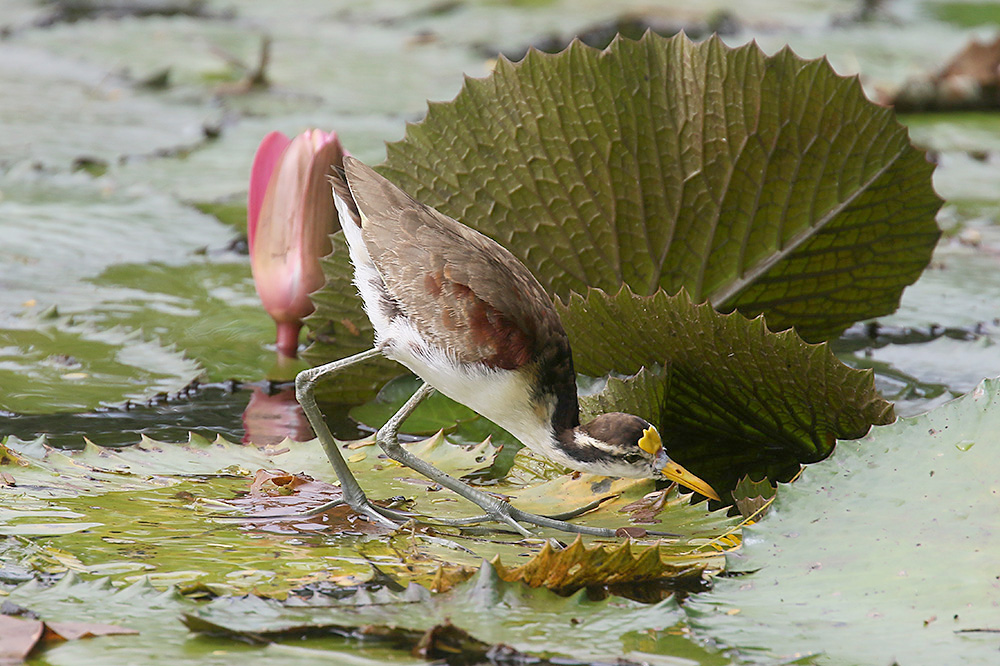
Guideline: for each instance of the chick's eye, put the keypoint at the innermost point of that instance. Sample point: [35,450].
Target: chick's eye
[633,458]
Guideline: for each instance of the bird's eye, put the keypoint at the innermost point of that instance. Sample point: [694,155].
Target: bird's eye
[633,458]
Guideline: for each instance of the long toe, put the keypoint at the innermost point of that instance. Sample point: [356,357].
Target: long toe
[380,515]
[561,525]
[504,518]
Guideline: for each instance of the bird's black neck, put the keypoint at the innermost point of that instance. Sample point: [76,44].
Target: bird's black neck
[566,415]
[556,375]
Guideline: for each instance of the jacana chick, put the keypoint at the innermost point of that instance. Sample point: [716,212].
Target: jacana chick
[467,317]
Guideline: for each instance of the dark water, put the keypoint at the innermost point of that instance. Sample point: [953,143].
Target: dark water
[259,412]
[265,411]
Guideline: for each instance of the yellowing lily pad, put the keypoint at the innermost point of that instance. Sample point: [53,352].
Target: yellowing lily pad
[624,567]
[230,516]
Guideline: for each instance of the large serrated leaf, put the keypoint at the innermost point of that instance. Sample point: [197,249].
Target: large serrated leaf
[643,394]
[737,398]
[768,184]
[885,553]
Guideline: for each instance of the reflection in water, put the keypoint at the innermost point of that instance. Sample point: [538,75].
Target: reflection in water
[270,418]
[208,410]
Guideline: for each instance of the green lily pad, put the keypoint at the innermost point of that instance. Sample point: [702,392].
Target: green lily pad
[965,179]
[735,398]
[966,14]
[960,291]
[643,394]
[148,510]
[59,258]
[56,367]
[208,309]
[944,336]
[954,132]
[807,202]
[229,157]
[216,513]
[530,620]
[162,638]
[58,229]
[95,116]
[884,553]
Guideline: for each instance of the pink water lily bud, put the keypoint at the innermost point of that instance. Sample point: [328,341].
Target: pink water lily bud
[290,216]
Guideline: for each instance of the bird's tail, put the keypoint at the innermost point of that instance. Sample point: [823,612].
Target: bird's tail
[347,208]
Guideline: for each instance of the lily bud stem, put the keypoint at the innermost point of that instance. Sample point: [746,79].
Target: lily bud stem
[288,338]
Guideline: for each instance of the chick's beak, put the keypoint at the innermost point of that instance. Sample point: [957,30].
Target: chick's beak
[675,472]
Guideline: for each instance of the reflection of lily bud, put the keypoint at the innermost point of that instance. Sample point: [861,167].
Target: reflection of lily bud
[269,419]
[290,215]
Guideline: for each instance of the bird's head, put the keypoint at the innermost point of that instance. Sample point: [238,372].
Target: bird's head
[629,446]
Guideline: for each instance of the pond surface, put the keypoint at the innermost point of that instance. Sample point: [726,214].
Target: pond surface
[169,301]
[126,302]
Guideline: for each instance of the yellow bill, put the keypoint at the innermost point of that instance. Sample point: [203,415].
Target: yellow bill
[675,472]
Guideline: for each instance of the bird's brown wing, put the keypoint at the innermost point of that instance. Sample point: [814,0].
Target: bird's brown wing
[462,290]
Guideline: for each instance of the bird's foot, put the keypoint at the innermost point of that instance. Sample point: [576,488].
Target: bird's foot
[503,513]
[379,515]
[393,519]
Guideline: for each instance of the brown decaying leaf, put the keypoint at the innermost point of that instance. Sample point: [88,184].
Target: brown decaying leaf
[566,570]
[969,81]
[277,502]
[18,637]
[444,643]
[646,509]
[753,497]
[445,578]
[457,647]
[271,483]
[71,631]
[977,60]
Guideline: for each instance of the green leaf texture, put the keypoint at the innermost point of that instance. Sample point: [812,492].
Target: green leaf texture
[643,394]
[885,553]
[737,399]
[217,516]
[764,183]
[528,619]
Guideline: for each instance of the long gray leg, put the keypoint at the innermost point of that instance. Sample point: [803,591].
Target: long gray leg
[354,496]
[387,438]
[496,509]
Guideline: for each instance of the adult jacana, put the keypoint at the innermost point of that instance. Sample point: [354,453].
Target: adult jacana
[468,318]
